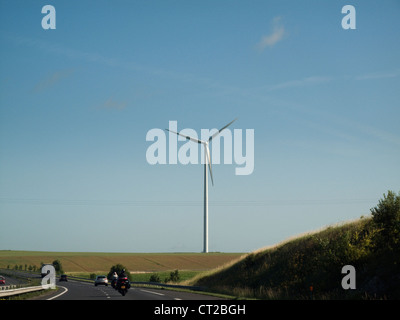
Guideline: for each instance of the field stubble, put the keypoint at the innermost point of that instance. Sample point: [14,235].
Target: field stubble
[85,262]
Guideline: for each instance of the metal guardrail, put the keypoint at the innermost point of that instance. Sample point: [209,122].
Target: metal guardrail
[13,292]
[11,286]
[15,289]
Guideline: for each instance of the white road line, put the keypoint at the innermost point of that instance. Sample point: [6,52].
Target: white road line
[104,292]
[65,290]
[160,294]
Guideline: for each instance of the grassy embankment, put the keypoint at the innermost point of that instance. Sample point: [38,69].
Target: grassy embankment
[289,269]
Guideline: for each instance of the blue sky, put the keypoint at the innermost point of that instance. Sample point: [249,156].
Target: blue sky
[77,102]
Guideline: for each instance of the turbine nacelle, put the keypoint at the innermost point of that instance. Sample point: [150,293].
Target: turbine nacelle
[205,143]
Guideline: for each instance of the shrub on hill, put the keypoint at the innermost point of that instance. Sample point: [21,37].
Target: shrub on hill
[155,278]
[58,266]
[386,216]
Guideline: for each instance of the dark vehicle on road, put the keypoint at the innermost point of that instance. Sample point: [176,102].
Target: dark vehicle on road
[123,285]
[63,277]
[2,280]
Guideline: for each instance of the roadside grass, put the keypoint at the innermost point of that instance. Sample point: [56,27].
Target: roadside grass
[33,295]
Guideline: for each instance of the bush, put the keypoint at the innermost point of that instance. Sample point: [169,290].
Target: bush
[155,278]
[386,216]
[173,276]
[57,266]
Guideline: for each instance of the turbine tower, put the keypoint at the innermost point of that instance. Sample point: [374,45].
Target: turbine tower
[207,161]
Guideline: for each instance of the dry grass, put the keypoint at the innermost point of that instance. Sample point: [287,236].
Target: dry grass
[263,249]
[214,270]
[287,269]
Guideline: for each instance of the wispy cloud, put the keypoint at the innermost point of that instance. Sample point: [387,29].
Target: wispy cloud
[113,104]
[316,80]
[379,75]
[276,35]
[61,50]
[372,132]
[52,79]
[313,80]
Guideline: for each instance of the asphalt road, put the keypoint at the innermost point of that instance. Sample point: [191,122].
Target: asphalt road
[76,290]
[10,280]
[79,290]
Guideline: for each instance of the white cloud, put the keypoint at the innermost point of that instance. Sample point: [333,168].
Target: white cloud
[277,34]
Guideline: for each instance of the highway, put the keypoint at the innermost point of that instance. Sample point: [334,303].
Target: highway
[77,290]
[151,302]
[10,280]
[73,289]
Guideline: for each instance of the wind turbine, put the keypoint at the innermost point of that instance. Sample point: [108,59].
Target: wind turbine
[207,161]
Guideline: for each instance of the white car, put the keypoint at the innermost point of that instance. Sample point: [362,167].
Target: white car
[101,280]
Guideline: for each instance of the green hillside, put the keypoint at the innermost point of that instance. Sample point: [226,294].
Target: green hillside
[288,270]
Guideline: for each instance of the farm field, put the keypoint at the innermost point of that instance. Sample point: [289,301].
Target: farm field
[83,262]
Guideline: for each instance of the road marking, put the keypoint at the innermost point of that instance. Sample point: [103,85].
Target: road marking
[65,290]
[104,292]
[160,294]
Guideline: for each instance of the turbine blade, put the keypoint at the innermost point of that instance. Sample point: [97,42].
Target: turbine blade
[219,131]
[187,137]
[207,150]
